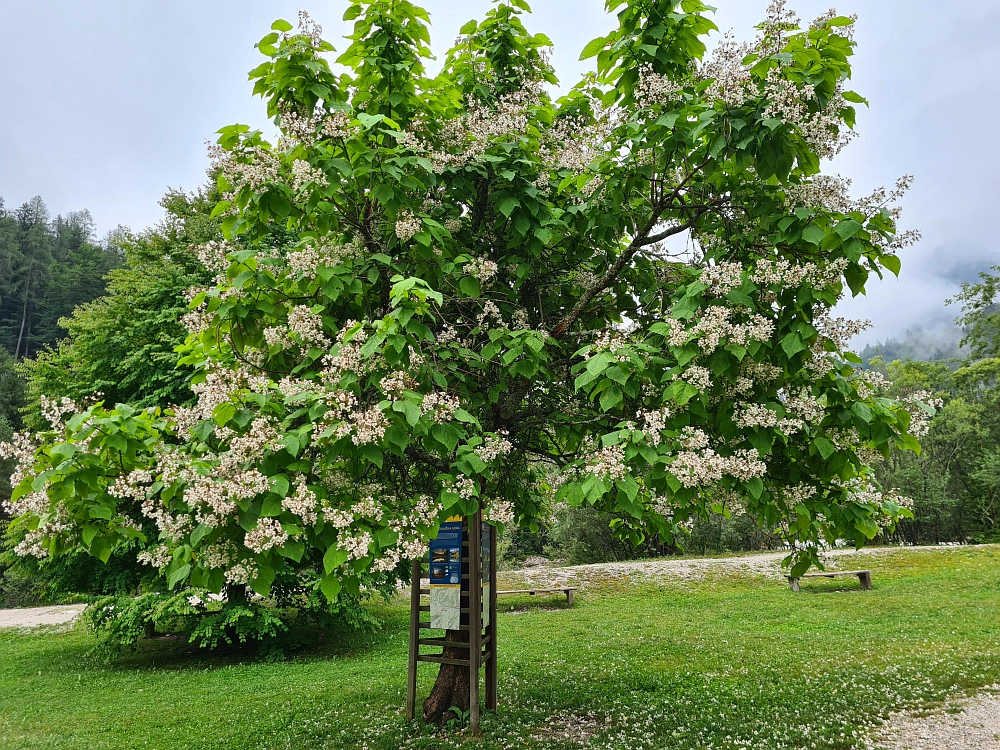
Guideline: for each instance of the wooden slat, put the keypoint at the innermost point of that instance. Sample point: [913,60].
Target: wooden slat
[435,659]
[441,642]
[411,663]
[539,591]
[427,625]
[832,573]
[491,630]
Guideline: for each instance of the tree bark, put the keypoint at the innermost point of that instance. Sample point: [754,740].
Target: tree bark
[451,688]
[24,317]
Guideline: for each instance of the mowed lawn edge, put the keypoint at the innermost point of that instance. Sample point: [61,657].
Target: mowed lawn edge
[725,661]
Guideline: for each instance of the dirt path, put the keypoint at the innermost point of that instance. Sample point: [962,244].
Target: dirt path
[32,617]
[972,724]
[767,564]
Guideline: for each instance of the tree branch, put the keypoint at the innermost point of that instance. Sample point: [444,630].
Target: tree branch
[640,241]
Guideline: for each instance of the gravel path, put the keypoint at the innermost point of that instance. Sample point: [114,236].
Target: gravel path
[972,724]
[767,564]
[32,617]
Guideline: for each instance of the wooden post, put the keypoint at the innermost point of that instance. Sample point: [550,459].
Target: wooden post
[411,666]
[491,629]
[471,601]
[475,617]
[793,583]
[865,577]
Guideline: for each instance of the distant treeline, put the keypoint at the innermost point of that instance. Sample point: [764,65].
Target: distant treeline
[47,267]
[941,343]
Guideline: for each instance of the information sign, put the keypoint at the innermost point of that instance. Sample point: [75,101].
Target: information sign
[446,576]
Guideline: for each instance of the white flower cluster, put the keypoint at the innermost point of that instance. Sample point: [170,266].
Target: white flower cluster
[499,511]
[466,139]
[357,546]
[440,406]
[266,535]
[698,376]
[348,355]
[839,331]
[716,325]
[701,468]
[785,275]
[132,485]
[613,340]
[219,555]
[722,277]
[653,89]
[21,448]
[482,269]
[303,504]
[655,421]
[254,168]
[805,406]
[213,255]
[310,29]
[730,78]
[158,557]
[395,383]
[338,125]
[407,226]
[921,405]
[303,174]
[493,447]
[761,372]
[609,463]
[365,426]
[242,573]
[758,415]
[870,383]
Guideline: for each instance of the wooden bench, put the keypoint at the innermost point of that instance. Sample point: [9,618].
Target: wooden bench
[568,590]
[865,576]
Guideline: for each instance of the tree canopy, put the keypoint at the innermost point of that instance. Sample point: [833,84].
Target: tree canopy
[451,292]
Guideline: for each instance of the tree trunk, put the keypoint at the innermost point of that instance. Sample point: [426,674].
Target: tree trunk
[451,688]
[24,317]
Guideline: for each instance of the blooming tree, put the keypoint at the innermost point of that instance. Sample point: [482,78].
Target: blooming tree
[491,299]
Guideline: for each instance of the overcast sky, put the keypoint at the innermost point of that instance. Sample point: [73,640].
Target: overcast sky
[106,103]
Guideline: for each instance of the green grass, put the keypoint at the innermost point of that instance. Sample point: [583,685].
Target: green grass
[718,663]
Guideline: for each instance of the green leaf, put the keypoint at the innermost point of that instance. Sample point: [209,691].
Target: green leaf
[262,583]
[825,447]
[281,25]
[334,558]
[847,228]
[891,262]
[369,121]
[330,586]
[199,533]
[593,48]
[470,286]
[447,435]
[814,234]
[507,206]
[793,344]
[800,568]
[178,574]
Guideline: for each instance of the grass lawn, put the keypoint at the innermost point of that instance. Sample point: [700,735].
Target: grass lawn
[733,663]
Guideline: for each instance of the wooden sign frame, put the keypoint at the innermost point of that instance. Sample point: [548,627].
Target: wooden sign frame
[482,643]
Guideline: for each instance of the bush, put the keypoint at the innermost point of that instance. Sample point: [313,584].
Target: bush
[296,613]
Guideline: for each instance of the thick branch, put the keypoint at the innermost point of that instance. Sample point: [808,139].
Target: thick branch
[623,260]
